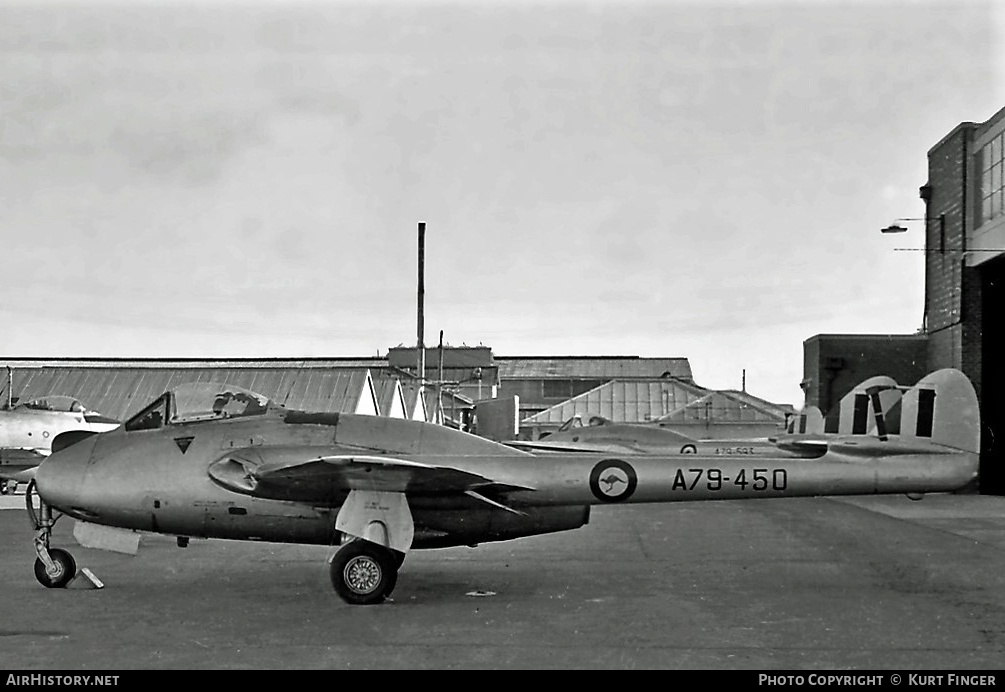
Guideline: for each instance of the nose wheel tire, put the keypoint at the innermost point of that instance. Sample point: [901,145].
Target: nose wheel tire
[66,569]
[363,573]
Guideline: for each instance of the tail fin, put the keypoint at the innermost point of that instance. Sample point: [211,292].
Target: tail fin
[809,421]
[943,408]
[864,410]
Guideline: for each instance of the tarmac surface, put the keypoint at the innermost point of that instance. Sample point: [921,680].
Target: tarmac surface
[862,583]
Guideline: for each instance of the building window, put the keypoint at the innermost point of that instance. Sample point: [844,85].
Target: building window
[991,179]
[557,389]
[566,389]
[581,386]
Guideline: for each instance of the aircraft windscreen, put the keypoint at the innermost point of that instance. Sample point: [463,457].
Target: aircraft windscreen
[206,401]
[56,402]
[572,423]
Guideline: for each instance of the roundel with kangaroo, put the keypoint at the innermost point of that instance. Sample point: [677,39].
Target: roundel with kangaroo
[613,480]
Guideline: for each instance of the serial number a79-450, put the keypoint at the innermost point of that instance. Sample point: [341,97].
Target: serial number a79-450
[715,479]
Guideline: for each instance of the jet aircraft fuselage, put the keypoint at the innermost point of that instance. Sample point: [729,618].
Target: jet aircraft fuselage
[254,470]
[192,478]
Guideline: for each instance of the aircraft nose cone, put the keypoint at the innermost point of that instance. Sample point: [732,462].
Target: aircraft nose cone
[58,479]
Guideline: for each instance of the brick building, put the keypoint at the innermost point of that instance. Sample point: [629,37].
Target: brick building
[833,364]
[964,288]
[965,272]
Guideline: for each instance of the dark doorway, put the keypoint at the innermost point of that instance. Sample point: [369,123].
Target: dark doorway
[992,479]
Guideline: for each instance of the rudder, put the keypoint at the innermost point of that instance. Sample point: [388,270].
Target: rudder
[943,408]
[857,414]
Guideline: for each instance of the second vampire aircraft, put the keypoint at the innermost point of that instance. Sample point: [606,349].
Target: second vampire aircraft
[28,432]
[218,461]
[803,434]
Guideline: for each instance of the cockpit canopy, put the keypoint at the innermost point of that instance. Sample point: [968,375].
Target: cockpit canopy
[55,402]
[577,422]
[199,401]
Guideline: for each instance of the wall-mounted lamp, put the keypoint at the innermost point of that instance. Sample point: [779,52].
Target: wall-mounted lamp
[895,227]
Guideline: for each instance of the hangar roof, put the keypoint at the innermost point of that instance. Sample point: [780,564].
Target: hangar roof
[591,367]
[119,388]
[665,400]
[728,406]
[624,401]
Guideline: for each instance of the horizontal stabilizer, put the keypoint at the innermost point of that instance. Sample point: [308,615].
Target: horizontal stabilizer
[804,446]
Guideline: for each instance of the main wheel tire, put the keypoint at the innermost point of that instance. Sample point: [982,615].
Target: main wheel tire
[363,573]
[67,569]
[392,581]
[397,558]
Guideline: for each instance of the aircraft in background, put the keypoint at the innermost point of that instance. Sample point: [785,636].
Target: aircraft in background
[28,432]
[801,437]
[605,435]
[870,409]
[216,461]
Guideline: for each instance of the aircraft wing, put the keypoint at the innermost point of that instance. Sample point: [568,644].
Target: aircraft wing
[542,446]
[18,464]
[291,474]
[22,455]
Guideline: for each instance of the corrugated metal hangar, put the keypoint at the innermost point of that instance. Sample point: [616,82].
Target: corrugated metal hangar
[670,403]
[119,388]
[548,389]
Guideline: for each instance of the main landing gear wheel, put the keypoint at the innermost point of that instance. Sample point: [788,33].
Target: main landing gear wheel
[364,573]
[66,569]
[397,558]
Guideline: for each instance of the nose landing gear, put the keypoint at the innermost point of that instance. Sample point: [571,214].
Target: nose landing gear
[60,570]
[54,567]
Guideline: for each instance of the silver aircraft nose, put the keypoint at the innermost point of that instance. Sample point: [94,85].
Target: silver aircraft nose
[59,478]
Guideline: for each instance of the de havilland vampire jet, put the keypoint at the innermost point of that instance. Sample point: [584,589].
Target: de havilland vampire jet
[803,433]
[28,431]
[217,461]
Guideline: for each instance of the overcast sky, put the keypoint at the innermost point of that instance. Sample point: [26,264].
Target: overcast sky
[706,180]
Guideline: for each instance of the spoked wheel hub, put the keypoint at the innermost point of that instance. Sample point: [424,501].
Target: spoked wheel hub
[362,574]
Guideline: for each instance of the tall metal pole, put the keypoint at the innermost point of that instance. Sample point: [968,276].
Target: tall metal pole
[439,378]
[421,348]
